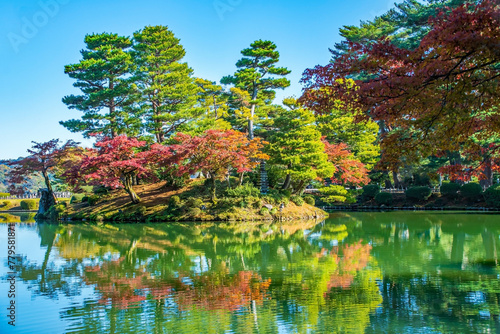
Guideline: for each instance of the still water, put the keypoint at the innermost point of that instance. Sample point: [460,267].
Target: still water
[399,272]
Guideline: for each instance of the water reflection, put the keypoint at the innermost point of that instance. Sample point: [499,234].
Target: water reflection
[354,273]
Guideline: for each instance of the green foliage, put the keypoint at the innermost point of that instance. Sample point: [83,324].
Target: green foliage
[297,150]
[93,199]
[492,196]
[244,190]
[471,191]
[297,200]
[360,137]
[449,189]
[104,77]
[29,204]
[370,191]
[167,90]
[273,211]
[309,199]
[4,195]
[264,211]
[419,194]
[194,212]
[77,198]
[194,202]
[256,79]
[383,198]
[336,194]
[175,202]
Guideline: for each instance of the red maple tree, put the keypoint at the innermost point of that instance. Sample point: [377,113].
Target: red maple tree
[432,98]
[214,153]
[44,158]
[113,163]
[348,169]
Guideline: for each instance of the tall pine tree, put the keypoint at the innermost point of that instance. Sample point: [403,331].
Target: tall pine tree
[103,76]
[258,75]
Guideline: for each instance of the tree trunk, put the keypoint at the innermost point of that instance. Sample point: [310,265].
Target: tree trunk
[51,196]
[252,113]
[214,189]
[287,182]
[241,177]
[300,188]
[397,183]
[127,184]
[488,175]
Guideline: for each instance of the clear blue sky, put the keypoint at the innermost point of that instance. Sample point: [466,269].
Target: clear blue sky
[39,37]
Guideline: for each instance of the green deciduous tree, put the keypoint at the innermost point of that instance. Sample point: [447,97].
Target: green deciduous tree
[258,75]
[296,147]
[103,76]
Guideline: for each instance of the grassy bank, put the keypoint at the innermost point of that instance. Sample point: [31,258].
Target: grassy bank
[189,203]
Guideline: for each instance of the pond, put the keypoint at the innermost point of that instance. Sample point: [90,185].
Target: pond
[397,272]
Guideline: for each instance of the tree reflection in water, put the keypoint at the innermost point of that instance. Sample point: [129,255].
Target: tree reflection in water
[290,277]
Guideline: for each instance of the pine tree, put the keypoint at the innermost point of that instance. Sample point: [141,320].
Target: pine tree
[103,76]
[168,91]
[258,75]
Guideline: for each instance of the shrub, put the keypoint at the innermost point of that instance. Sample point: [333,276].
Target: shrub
[100,190]
[194,211]
[335,194]
[29,204]
[370,191]
[194,202]
[418,193]
[4,195]
[297,200]
[6,204]
[471,191]
[242,191]
[449,189]
[492,196]
[175,201]
[77,198]
[309,200]
[383,198]
[264,211]
[273,211]
[93,199]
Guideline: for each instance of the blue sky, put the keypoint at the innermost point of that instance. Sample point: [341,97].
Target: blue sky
[39,37]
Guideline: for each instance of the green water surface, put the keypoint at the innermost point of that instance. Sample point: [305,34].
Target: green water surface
[397,272]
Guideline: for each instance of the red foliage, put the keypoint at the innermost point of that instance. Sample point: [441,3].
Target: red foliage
[355,258]
[431,98]
[43,159]
[219,291]
[349,170]
[111,163]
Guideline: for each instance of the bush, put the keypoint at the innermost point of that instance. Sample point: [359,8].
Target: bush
[242,191]
[449,189]
[29,204]
[334,194]
[309,200]
[273,211]
[418,193]
[100,190]
[297,200]
[93,199]
[194,202]
[6,204]
[175,201]
[370,191]
[492,196]
[77,198]
[264,211]
[383,198]
[471,191]
[4,195]
[194,211]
